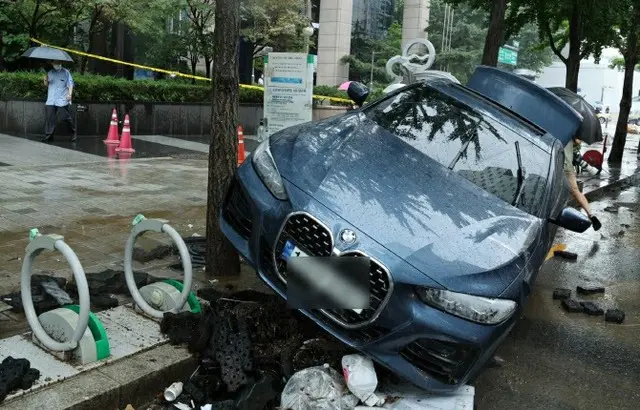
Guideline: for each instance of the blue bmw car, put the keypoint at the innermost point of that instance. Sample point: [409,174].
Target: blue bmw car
[453,197]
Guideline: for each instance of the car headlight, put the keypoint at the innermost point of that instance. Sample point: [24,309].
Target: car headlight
[266,168]
[477,309]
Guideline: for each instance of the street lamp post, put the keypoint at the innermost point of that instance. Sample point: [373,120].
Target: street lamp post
[373,56]
[308,31]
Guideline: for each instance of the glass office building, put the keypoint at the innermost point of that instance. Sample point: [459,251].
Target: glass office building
[373,17]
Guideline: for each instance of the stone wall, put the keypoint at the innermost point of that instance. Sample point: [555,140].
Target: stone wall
[27,117]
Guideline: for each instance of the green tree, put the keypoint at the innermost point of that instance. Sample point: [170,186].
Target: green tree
[201,14]
[586,26]
[365,50]
[467,38]
[221,257]
[534,53]
[273,23]
[627,42]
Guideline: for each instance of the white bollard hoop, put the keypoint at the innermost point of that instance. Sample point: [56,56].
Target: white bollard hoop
[160,226]
[35,247]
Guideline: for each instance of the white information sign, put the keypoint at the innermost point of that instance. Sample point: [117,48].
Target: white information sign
[288,90]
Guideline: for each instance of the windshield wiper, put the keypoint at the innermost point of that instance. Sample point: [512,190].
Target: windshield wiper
[520,176]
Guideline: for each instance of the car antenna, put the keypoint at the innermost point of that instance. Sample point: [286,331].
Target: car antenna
[520,175]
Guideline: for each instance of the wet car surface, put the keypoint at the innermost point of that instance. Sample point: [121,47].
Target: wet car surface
[448,194]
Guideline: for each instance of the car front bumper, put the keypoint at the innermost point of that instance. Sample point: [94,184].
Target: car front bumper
[432,349]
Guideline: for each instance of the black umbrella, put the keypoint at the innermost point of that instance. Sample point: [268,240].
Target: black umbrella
[590,131]
[47,53]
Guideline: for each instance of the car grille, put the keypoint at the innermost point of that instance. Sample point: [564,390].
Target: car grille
[237,211]
[315,240]
[444,361]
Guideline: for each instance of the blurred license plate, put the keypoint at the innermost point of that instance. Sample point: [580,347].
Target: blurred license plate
[292,251]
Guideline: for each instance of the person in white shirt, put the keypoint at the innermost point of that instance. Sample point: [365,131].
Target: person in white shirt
[60,91]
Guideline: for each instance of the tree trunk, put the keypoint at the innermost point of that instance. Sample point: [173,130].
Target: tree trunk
[495,34]
[630,61]
[575,36]
[222,259]
[1,53]
[207,62]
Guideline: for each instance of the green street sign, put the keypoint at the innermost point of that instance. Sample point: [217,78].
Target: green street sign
[508,56]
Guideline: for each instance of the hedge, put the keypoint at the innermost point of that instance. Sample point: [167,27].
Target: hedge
[28,85]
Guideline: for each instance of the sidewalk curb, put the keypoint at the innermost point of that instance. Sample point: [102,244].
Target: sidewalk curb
[134,380]
[622,183]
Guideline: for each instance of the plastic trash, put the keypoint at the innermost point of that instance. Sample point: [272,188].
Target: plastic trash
[172,392]
[317,388]
[361,378]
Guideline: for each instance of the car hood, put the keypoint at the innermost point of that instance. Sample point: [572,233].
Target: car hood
[440,223]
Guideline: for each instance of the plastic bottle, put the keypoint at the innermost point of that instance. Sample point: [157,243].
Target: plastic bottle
[361,378]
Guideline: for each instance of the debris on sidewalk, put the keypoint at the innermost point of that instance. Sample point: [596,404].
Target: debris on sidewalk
[572,306]
[612,209]
[16,374]
[566,255]
[319,388]
[561,294]
[159,252]
[614,316]
[592,309]
[41,294]
[590,289]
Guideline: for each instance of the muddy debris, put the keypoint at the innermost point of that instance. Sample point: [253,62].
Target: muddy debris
[46,292]
[572,306]
[561,294]
[566,255]
[592,309]
[614,316]
[590,289]
[248,345]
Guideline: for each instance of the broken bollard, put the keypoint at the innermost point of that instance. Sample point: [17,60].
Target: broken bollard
[614,316]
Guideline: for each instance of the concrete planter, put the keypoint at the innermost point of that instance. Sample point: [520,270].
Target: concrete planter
[27,117]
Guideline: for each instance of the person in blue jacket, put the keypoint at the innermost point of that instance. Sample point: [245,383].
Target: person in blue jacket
[60,91]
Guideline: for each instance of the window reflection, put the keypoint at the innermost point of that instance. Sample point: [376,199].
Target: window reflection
[470,142]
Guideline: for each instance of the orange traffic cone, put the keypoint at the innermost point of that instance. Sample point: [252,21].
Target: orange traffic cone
[112,136]
[240,145]
[125,142]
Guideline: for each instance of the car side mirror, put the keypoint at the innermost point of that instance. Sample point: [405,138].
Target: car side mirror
[358,92]
[573,220]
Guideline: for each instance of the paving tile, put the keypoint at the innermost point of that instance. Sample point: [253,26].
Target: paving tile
[24,211]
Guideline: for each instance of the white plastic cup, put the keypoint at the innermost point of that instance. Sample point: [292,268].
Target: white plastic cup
[173,392]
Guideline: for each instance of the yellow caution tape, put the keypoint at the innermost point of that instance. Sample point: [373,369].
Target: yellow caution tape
[169,72]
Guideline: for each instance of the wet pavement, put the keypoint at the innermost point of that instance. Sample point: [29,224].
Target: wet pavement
[94,145]
[592,180]
[559,360]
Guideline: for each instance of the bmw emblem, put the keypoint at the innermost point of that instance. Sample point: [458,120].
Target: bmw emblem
[348,236]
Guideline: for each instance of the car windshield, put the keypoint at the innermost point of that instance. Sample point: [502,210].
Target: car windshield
[468,141]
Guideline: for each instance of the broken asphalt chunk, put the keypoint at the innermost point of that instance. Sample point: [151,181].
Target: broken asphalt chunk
[592,309]
[612,209]
[614,316]
[566,255]
[589,290]
[572,306]
[561,294]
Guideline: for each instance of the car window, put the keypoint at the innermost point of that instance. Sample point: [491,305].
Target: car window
[469,141]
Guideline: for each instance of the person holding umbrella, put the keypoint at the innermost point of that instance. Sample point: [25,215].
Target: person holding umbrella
[60,88]
[590,131]
[60,92]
